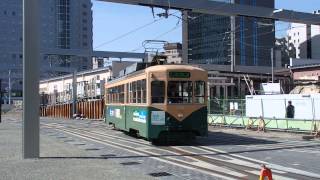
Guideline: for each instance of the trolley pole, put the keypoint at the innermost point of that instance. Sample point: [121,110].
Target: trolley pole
[31,98]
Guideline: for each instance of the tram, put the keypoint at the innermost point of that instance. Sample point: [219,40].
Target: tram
[162,102]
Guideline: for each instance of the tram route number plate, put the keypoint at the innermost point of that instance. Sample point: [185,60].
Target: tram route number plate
[158,118]
[179,74]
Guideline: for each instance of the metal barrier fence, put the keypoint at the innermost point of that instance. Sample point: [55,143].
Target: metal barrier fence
[227,107]
[232,113]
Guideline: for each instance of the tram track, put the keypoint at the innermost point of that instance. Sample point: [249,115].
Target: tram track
[146,153]
[249,169]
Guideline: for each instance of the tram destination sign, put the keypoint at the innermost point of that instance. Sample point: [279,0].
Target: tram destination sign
[179,74]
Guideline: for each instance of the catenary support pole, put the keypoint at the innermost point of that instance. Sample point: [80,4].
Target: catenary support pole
[31,98]
[74,93]
[9,88]
[0,101]
[272,64]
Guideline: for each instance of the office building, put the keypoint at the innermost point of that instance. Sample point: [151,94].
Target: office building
[305,39]
[173,51]
[66,25]
[215,39]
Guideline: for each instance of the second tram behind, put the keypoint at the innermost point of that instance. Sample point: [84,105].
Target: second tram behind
[161,102]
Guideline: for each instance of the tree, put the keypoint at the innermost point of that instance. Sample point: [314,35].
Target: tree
[287,50]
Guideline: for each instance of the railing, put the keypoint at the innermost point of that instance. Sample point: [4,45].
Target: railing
[232,113]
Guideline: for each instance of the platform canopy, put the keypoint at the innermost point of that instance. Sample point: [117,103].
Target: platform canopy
[227,9]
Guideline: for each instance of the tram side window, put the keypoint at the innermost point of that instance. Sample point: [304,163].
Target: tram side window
[157,91]
[115,94]
[134,92]
[139,88]
[179,92]
[121,94]
[130,93]
[199,92]
[108,96]
[144,91]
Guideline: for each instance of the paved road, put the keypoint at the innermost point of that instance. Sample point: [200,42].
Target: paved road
[225,154]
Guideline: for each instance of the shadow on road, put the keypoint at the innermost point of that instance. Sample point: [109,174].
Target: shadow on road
[214,153]
[221,138]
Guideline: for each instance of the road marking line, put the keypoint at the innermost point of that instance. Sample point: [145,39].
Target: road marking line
[273,176]
[273,166]
[144,154]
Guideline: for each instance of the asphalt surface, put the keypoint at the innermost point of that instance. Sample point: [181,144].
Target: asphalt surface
[59,160]
[84,149]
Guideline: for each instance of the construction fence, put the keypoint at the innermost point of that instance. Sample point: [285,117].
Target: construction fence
[91,109]
[244,113]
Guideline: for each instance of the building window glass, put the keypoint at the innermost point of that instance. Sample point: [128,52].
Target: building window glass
[63,24]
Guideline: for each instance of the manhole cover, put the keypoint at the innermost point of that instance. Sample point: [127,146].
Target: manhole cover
[130,163]
[160,174]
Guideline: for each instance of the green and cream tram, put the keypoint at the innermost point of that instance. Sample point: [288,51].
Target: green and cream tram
[159,102]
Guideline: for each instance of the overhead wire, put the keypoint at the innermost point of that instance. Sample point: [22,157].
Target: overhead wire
[144,26]
[128,33]
[161,18]
[133,31]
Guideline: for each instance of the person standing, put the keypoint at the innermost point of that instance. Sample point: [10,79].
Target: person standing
[290,110]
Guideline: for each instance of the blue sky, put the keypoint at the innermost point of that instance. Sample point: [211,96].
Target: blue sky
[111,21]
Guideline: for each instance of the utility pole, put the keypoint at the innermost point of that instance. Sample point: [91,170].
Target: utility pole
[233,41]
[272,64]
[31,58]
[74,93]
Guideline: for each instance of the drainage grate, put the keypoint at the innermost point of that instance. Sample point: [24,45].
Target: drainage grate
[160,174]
[130,163]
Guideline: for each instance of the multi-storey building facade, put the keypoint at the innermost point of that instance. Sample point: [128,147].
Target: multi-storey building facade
[305,39]
[65,25]
[173,51]
[215,39]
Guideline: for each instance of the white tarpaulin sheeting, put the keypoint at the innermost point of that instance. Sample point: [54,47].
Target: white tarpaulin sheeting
[274,106]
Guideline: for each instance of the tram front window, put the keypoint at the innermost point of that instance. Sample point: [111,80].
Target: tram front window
[199,92]
[157,91]
[179,92]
